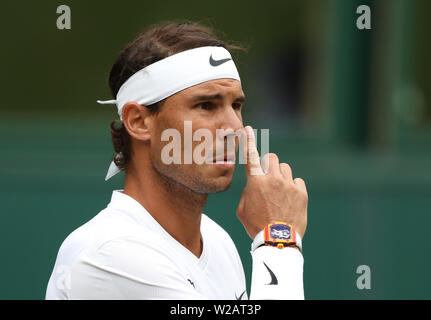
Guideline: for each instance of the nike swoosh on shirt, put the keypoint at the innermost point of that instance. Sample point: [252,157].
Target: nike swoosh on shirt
[191,282]
[274,280]
[216,63]
[240,297]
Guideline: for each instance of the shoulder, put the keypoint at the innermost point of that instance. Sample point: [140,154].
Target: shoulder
[130,254]
[129,267]
[109,246]
[106,226]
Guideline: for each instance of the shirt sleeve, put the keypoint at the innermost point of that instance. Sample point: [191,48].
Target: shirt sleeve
[277,274]
[128,269]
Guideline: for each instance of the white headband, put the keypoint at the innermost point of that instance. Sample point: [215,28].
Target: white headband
[171,75]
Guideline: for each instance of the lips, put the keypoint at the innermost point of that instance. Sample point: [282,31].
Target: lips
[225,158]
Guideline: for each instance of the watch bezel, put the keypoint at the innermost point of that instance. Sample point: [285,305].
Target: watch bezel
[277,242]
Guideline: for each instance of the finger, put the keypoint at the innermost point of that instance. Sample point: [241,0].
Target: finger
[250,153]
[270,164]
[286,171]
[300,183]
[265,163]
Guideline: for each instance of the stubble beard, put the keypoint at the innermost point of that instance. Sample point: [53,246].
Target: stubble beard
[176,179]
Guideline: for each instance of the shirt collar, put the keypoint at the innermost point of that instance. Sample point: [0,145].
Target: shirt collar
[129,206]
[125,204]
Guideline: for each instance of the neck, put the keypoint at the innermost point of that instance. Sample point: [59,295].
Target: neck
[176,208]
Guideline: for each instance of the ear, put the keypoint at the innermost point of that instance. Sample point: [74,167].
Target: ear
[137,120]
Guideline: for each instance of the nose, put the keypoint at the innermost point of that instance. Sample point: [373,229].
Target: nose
[230,121]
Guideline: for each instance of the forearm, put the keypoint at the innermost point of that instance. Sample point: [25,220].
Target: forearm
[277,274]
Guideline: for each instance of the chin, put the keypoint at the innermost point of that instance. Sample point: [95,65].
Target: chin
[201,180]
[222,184]
[210,181]
[220,179]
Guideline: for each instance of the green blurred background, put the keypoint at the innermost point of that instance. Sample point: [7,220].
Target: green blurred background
[349,109]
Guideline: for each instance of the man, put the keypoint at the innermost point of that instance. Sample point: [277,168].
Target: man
[152,240]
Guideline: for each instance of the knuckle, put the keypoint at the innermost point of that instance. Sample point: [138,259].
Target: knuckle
[252,152]
[272,156]
[286,169]
[295,190]
[277,182]
[253,155]
[286,166]
[299,193]
[300,180]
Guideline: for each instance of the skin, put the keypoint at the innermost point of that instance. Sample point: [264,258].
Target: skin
[175,194]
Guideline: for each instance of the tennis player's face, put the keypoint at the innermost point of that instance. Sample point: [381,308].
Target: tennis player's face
[206,113]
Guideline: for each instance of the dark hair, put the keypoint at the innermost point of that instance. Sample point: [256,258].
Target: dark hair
[157,43]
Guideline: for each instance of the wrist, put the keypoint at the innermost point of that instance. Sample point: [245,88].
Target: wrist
[278,234]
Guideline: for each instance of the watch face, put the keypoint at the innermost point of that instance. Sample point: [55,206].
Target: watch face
[280,232]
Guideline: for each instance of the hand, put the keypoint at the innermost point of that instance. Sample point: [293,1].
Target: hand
[271,194]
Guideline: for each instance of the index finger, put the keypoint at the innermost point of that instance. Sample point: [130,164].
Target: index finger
[250,153]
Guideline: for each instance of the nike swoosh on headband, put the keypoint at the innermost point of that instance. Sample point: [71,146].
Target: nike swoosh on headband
[274,280]
[216,63]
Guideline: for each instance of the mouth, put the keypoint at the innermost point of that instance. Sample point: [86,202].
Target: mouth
[225,159]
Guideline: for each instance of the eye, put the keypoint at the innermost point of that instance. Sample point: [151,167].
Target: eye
[237,105]
[205,105]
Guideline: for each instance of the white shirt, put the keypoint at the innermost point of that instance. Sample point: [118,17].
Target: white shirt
[124,253]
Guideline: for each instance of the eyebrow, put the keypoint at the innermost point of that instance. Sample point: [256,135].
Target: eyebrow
[217,96]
